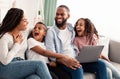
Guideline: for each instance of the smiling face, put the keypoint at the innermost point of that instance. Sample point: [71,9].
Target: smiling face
[80,27]
[39,32]
[61,16]
[23,24]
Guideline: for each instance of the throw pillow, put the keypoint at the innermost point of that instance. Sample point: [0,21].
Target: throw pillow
[114,51]
[104,41]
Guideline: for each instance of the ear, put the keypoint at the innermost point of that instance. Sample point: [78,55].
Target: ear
[68,15]
[44,34]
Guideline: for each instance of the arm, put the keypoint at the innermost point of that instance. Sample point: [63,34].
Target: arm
[105,58]
[66,60]
[8,51]
[50,40]
[46,53]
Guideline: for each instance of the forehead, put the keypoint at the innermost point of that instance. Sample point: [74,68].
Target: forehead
[81,20]
[61,10]
[40,26]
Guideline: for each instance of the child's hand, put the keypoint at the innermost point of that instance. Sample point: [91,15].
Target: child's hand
[105,58]
[53,64]
[17,38]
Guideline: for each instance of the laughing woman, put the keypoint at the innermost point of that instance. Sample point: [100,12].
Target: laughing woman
[13,44]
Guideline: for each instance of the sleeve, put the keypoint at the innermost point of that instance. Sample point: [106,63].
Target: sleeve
[32,43]
[6,54]
[49,40]
[76,44]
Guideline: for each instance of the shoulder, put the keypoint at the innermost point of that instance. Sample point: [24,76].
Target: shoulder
[6,39]
[52,30]
[69,25]
[6,36]
[77,39]
[31,40]
[95,37]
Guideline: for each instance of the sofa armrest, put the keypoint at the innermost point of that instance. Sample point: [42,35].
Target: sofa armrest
[114,51]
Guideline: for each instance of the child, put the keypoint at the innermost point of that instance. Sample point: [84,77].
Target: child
[36,45]
[37,49]
[86,34]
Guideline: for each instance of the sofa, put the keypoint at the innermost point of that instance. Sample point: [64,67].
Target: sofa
[111,50]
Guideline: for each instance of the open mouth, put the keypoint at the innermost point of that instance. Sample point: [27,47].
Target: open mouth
[79,30]
[36,34]
[59,20]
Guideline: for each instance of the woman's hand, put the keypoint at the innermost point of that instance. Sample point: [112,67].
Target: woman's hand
[69,62]
[17,38]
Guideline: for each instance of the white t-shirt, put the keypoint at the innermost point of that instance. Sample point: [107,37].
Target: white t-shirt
[65,36]
[31,55]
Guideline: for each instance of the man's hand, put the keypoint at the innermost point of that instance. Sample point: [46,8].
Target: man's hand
[69,62]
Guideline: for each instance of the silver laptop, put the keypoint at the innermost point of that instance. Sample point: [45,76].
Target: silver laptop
[89,54]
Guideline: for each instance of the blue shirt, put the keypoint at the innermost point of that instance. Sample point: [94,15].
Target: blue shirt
[53,41]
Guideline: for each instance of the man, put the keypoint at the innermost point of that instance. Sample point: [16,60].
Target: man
[60,39]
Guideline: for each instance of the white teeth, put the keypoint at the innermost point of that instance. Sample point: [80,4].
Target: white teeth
[59,20]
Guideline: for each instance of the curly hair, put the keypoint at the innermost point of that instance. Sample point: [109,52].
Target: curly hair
[89,27]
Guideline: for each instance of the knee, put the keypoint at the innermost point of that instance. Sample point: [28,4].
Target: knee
[33,77]
[40,63]
[109,73]
[79,70]
[101,63]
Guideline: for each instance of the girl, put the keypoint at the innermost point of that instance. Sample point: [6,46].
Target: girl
[37,50]
[13,44]
[86,34]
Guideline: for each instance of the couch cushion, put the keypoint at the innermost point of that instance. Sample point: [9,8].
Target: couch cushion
[117,65]
[114,51]
[89,76]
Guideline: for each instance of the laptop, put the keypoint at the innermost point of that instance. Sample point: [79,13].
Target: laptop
[89,54]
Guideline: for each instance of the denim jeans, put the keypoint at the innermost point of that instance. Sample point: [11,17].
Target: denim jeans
[59,72]
[76,74]
[114,71]
[24,69]
[99,68]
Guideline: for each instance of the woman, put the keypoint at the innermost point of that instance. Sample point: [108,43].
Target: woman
[13,44]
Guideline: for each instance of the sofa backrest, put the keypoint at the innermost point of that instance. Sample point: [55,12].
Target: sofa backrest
[114,51]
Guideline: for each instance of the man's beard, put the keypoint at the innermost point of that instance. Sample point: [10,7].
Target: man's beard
[61,24]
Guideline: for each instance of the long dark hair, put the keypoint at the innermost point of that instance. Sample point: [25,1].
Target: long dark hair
[11,20]
[89,27]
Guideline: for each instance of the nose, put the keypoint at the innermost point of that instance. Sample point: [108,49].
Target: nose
[27,22]
[58,15]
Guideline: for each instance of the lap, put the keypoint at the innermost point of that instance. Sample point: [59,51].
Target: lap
[93,66]
[19,69]
[59,72]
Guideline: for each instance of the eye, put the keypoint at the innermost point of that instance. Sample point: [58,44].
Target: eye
[25,20]
[39,28]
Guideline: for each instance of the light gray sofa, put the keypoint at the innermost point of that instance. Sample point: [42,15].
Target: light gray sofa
[113,54]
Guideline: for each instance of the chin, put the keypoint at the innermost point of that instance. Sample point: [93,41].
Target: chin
[24,29]
[80,35]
